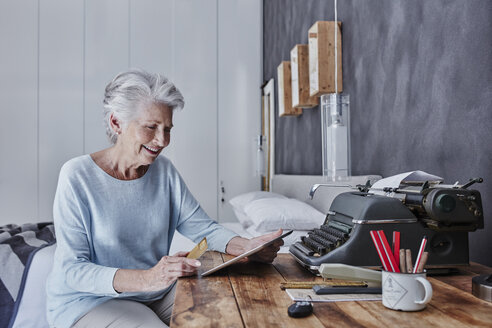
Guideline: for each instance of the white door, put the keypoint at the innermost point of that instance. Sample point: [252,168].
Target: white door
[240,77]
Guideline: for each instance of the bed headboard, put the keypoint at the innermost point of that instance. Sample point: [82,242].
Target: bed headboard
[298,187]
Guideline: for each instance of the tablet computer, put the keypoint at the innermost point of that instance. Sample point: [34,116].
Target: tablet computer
[248,253]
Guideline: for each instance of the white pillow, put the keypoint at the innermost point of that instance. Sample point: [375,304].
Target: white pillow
[239,202]
[287,213]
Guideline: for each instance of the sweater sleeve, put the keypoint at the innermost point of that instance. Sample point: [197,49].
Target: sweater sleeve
[194,223]
[198,225]
[72,223]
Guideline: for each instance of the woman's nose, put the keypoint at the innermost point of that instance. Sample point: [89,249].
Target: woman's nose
[162,138]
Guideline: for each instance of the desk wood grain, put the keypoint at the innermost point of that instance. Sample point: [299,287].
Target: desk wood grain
[248,295]
[206,302]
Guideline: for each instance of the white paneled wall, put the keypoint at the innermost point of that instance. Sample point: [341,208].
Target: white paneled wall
[107,44]
[57,56]
[61,93]
[19,110]
[152,35]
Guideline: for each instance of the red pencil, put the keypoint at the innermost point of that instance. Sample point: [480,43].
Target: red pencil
[396,245]
[379,248]
[388,252]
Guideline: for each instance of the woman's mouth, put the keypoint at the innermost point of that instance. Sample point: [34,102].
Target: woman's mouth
[153,151]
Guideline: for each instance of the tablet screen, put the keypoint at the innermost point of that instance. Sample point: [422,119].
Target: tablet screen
[248,253]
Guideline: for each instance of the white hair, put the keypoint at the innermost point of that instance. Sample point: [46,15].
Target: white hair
[130,91]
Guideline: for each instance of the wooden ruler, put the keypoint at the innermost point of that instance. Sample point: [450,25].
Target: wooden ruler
[329,283]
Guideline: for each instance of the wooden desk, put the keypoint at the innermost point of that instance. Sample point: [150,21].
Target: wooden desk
[248,295]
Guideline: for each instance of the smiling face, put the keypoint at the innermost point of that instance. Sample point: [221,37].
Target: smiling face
[144,137]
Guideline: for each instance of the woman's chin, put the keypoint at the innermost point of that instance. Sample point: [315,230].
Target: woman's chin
[150,158]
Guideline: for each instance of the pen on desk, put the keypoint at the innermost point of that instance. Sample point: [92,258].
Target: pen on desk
[322,290]
[408,257]
[425,256]
[403,263]
[419,256]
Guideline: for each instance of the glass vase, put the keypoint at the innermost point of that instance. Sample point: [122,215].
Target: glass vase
[335,134]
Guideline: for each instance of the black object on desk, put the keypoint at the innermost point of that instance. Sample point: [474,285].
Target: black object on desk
[482,287]
[300,309]
[324,290]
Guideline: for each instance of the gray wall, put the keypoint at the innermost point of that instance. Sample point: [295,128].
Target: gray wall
[419,74]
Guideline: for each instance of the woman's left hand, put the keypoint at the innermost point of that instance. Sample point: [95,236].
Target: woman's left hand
[239,245]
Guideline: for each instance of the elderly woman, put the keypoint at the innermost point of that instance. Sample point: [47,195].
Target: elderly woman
[116,212]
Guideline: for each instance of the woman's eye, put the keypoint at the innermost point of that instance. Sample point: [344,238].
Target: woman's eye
[152,127]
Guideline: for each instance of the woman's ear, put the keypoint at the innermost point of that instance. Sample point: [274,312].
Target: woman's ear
[115,124]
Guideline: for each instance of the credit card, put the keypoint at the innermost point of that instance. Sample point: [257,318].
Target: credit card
[198,250]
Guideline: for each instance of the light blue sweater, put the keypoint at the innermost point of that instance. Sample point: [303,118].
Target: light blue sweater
[103,224]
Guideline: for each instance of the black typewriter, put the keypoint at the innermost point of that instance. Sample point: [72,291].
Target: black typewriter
[443,213]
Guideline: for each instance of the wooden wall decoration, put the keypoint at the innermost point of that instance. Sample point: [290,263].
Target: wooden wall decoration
[322,58]
[299,64]
[285,91]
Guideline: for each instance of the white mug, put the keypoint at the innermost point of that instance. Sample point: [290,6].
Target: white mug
[406,291]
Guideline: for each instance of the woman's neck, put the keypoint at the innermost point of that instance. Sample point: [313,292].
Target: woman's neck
[115,163]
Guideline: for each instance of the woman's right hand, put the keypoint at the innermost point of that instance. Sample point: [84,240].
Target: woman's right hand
[169,269]
[159,277]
